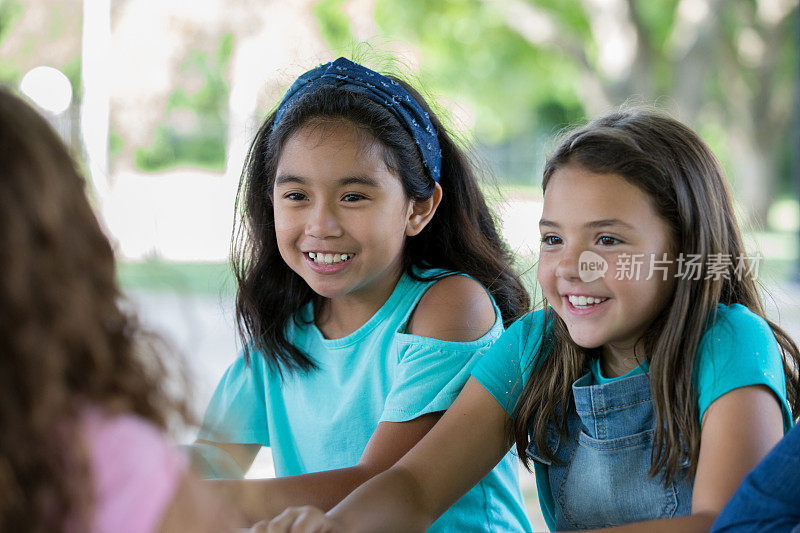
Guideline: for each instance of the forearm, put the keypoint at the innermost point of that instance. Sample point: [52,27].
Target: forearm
[693,523]
[211,462]
[263,499]
[431,477]
[768,497]
[392,501]
[426,481]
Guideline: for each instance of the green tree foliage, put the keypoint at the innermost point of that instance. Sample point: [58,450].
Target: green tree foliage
[10,11]
[334,25]
[530,67]
[194,131]
[468,49]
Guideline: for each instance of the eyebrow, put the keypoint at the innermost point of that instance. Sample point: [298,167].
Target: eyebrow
[604,223]
[342,182]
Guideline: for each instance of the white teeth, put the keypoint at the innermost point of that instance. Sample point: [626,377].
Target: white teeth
[584,301]
[328,259]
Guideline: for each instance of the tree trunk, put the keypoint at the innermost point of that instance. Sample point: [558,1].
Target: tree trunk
[755,178]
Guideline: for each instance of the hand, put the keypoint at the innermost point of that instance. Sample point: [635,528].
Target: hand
[305,519]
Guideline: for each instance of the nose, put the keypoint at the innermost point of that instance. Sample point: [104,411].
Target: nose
[567,267]
[322,222]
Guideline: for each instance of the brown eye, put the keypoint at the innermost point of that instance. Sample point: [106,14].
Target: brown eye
[607,240]
[352,197]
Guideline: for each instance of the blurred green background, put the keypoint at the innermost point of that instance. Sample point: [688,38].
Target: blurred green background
[166,95]
[184,86]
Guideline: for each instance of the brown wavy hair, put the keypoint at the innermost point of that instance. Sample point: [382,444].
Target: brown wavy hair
[65,343]
[688,188]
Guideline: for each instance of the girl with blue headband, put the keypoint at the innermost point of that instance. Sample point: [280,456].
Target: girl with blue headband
[370,277]
[640,396]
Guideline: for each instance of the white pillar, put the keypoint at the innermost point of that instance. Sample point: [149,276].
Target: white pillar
[95,102]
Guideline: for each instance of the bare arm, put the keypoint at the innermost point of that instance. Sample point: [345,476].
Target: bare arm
[222,459]
[458,452]
[455,308]
[195,508]
[262,499]
[738,430]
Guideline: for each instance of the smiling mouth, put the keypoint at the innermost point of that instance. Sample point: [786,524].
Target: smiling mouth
[585,302]
[329,258]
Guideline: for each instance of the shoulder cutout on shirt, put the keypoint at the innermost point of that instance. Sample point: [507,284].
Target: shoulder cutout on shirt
[455,308]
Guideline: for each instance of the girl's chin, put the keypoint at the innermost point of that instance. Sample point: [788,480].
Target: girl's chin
[586,342]
[589,345]
[326,288]
[329,292]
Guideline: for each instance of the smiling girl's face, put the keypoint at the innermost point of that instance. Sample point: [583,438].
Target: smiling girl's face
[607,215]
[341,216]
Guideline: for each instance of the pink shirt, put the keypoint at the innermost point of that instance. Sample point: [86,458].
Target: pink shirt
[135,472]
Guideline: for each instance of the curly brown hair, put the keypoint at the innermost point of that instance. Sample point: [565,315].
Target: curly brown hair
[65,341]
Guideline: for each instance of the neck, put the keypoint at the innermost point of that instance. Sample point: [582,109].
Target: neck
[341,316]
[617,361]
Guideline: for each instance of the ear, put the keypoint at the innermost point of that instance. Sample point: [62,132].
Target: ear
[420,213]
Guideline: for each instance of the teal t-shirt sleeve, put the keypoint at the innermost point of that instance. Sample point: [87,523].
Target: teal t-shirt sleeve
[501,370]
[237,410]
[429,374]
[739,350]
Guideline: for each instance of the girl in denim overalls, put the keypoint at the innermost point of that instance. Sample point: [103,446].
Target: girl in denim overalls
[650,382]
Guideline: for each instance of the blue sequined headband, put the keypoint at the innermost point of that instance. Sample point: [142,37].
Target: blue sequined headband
[380,89]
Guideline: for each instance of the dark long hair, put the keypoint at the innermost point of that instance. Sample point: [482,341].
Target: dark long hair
[462,235]
[65,343]
[688,188]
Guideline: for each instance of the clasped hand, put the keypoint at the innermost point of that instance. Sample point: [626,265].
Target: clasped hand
[306,519]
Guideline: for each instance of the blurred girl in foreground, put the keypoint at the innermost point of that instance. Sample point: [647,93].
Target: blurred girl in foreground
[83,402]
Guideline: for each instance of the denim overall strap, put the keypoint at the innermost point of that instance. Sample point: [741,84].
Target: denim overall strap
[611,410]
[604,479]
